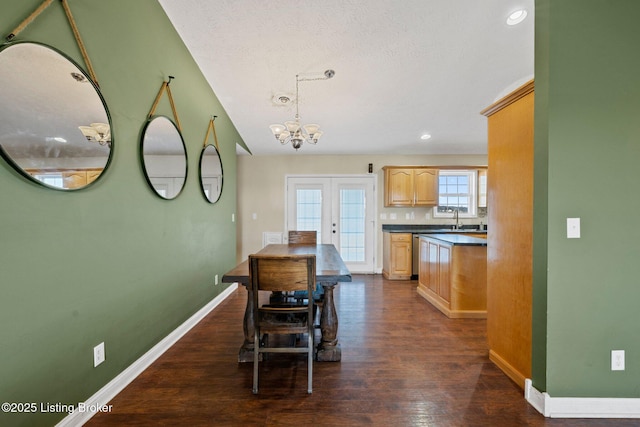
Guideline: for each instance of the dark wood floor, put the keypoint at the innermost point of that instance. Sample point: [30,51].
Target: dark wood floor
[403,364]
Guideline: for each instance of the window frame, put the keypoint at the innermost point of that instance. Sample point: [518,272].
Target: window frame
[473,193]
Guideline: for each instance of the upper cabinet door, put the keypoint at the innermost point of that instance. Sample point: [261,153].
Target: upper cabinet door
[399,187]
[426,187]
[410,186]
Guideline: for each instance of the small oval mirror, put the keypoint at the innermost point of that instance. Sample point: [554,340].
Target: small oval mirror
[54,125]
[211,173]
[164,157]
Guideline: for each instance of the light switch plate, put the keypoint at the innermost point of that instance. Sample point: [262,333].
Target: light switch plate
[573,228]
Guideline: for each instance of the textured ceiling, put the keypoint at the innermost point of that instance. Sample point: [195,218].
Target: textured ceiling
[403,68]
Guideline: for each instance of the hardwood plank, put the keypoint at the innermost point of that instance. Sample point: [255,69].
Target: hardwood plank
[403,363]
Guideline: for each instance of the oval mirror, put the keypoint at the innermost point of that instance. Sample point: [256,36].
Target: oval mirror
[211,173]
[54,125]
[164,157]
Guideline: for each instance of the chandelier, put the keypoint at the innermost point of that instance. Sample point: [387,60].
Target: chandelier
[97,132]
[292,131]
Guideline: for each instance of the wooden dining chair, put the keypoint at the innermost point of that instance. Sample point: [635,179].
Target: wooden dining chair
[306,237]
[287,273]
[297,237]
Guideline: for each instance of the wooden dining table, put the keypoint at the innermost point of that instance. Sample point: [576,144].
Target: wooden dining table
[330,270]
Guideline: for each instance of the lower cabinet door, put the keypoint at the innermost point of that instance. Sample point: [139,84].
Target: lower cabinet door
[444,275]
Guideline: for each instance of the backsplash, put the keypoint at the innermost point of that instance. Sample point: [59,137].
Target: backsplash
[426,228]
[423,216]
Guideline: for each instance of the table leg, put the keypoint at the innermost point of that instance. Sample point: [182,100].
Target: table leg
[329,350]
[246,351]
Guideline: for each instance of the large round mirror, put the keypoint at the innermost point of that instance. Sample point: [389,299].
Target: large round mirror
[164,157]
[54,124]
[211,173]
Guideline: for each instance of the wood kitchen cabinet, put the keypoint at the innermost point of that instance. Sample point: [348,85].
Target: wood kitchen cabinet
[410,186]
[435,265]
[453,278]
[397,256]
[71,178]
[74,179]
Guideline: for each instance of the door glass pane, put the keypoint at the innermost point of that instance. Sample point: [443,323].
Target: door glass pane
[352,224]
[309,210]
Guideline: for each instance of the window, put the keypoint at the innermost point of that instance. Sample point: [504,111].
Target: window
[52,179]
[457,191]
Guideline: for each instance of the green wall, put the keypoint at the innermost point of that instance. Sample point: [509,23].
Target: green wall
[587,151]
[112,262]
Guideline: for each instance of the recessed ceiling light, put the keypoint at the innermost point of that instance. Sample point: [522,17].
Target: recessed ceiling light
[517,17]
[425,136]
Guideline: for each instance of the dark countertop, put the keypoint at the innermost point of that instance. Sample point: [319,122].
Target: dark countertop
[429,228]
[458,239]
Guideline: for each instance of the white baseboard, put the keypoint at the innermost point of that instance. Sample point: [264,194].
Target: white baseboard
[581,407]
[116,385]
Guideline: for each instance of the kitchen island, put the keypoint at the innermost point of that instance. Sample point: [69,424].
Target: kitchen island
[400,246]
[453,274]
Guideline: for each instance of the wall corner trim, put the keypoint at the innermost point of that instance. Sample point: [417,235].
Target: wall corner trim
[116,385]
[581,407]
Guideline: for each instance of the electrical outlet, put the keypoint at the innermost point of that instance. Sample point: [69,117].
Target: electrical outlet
[98,354]
[617,360]
[215,280]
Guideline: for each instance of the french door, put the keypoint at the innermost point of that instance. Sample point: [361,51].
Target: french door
[341,210]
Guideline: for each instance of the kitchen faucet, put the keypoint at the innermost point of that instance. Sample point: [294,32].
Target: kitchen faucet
[456,215]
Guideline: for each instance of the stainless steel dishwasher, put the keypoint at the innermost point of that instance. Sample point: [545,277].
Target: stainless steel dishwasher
[415,263]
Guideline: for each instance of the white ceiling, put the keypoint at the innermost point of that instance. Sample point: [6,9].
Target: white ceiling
[403,68]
